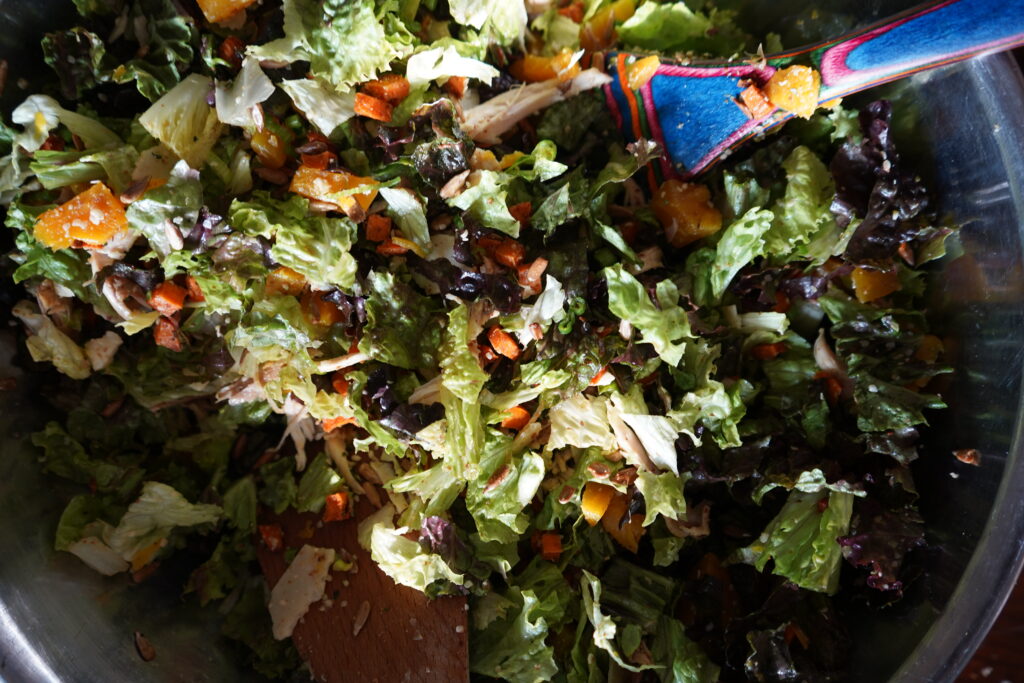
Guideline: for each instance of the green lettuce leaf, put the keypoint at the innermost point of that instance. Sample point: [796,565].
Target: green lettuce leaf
[400,328]
[157,512]
[240,505]
[673,27]
[504,487]
[184,121]
[683,660]
[278,490]
[497,21]
[46,343]
[665,326]
[804,223]
[802,539]
[315,30]
[605,628]
[663,494]
[407,210]
[56,169]
[487,202]
[318,248]
[405,561]
[741,243]
[178,201]
[581,421]
[509,641]
[317,482]
[461,373]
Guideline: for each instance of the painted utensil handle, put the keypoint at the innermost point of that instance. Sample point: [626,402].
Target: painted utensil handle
[928,36]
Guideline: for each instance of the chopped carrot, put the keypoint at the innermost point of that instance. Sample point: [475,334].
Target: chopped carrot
[373,107]
[489,242]
[336,507]
[285,281]
[510,253]
[320,161]
[165,334]
[89,219]
[332,423]
[518,417]
[596,499]
[195,292]
[870,284]
[330,186]
[550,546]
[640,72]
[833,387]
[521,212]
[339,383]
[503,342]
[378,227]
[391,248]
[456,86]
[232,50]
[168,298]
[272,536]
[219,10]
[575,11]
[391,88]
[768,351]
[756,103]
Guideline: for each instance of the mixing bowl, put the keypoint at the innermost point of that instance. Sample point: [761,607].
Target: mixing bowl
[61,622]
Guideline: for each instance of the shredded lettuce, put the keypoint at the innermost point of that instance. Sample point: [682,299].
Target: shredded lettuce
[663,326]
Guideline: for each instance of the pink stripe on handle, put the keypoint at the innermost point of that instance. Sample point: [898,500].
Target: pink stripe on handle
[760,73]
[652,120]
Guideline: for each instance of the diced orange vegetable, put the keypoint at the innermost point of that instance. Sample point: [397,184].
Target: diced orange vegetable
[565,65]
[391,88]
[929,349]
[685,212]
[373,107]
[521,212]
[599,32]
[640,72]
[339,383]
[503,342]
[596,499]
[320,161]
[168,298]
[391,248]
[327,186]
[332,423]
[510,253]
[284,281]
[89,219]
[272,536]
[623,9]
[768,351]
[782,302]
[517,418]
[195,292]
[145,555]
[490,242]
[575,11]
[318,310]
[336,507]
[165,334]
[551,546]
[832,386]
[219,10]
[628,536]
[268,148]
[456,86]
[756,102]
[509,159]
[378,227]
[869,284]
[533,69]
[232,51]
[795,89]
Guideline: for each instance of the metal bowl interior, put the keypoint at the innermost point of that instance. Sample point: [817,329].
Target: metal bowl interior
[61,622]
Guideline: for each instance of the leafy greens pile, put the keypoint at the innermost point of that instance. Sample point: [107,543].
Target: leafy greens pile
[631,455]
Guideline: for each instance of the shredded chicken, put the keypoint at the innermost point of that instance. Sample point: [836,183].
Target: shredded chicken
[300,427]
[101,351]
[113,251]
[121,293]
[487,122]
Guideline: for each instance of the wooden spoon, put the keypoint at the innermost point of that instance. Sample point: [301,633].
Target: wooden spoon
[368,628]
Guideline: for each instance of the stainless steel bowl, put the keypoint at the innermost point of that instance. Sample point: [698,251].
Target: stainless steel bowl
[61,622]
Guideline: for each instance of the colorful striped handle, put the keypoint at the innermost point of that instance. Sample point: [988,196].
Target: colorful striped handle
[691,109]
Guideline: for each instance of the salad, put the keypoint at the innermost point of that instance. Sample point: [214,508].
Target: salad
[309,256]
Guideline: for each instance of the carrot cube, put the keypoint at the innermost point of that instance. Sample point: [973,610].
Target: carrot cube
[219,10]
[517,418]
[768,351]
[503,343]
[456,86]
[165,334]
[195,292]
[336,507]
[272,536]
[756,103]
[332,423]
[550,546]
[391,88]
[373,107]
[510,253]
[378,227]
[168,298]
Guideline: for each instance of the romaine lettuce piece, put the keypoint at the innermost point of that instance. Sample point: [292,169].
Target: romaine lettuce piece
[665,327]
[183,120]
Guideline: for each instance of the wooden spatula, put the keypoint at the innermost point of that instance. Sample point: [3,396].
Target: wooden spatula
[369,629]
[691,109]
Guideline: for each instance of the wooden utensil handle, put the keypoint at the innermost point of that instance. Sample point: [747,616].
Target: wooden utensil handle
[931,35]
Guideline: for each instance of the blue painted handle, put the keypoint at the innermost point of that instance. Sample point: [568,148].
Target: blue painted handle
[925,37]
